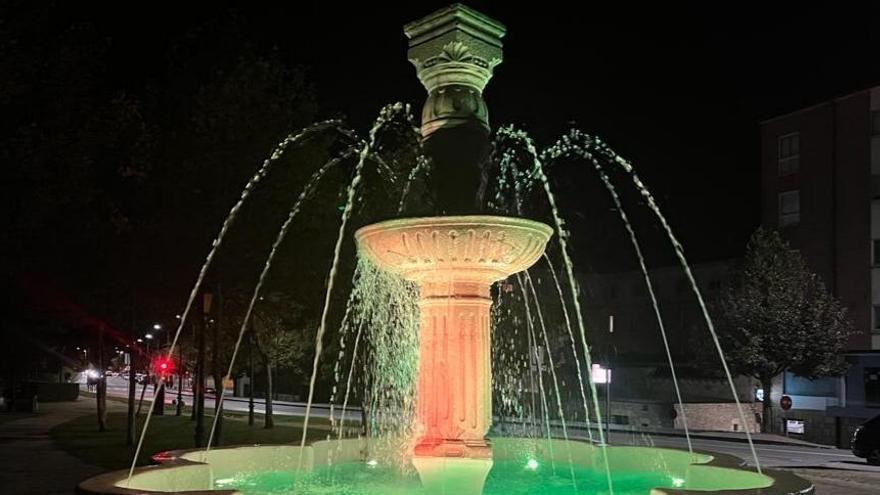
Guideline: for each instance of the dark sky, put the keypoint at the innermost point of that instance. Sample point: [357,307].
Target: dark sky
[680,89]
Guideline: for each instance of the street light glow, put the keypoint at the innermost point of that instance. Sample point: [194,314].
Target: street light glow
[149,336]
[157,326]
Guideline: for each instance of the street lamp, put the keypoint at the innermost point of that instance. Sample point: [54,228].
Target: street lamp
[149,336]
[157,326]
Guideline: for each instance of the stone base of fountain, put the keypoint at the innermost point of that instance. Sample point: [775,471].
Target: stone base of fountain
[470,474]
[475,449]
[235,470]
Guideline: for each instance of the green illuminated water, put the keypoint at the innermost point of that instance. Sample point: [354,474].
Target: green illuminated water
[507,477]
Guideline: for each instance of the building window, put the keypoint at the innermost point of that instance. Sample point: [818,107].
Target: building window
[875,252]
[789,208]
[619,419]
[789,154]
[877,317]
[872,387]
[875,123]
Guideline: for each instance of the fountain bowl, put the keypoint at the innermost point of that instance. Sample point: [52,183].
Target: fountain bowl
[475,248]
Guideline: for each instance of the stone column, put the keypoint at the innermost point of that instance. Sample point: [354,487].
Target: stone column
[455,375]
[455,51]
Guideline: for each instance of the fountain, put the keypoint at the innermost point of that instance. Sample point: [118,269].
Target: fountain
[453,260]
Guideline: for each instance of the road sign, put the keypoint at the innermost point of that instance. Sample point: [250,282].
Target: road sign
[785,403]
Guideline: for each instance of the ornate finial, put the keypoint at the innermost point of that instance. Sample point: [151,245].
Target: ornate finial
[454,51]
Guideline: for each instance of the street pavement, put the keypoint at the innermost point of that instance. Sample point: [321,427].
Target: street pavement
[32,464]
[118,387]
[768,455]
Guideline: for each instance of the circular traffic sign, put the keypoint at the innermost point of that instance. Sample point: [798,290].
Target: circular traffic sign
[785,403]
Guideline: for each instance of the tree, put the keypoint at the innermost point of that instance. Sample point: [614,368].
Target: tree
[778,316]
[279,335]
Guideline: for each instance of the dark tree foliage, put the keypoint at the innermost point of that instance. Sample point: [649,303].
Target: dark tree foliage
[778,316]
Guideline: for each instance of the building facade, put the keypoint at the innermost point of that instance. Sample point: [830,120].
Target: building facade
[820,179]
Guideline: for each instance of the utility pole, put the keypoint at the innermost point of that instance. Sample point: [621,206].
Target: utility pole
[200,372]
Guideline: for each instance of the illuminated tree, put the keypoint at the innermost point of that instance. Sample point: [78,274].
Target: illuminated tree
[778,316]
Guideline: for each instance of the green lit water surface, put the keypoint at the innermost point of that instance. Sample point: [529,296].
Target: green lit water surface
[505,478]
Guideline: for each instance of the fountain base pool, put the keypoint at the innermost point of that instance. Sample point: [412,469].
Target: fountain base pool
[520,467]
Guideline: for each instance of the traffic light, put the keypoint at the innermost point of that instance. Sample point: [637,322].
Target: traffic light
[163,366]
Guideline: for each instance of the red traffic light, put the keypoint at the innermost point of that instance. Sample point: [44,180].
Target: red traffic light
[162,365]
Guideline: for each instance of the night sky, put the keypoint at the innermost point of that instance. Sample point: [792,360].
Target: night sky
[678,89]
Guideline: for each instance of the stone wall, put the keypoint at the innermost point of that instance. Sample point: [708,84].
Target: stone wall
[719,417]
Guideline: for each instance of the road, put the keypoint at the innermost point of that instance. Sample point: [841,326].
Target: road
[775,456]
[769,455]
[118,387]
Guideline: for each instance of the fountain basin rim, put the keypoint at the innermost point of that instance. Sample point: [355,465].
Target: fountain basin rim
[784,482]
[454,221]
[477,249]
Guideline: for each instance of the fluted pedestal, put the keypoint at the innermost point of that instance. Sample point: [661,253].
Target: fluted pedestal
[454,394]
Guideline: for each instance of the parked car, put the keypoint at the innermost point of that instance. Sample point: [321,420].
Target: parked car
[866,441]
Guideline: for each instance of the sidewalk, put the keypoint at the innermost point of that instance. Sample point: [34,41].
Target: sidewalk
[32,464]
[730,436]
[577,429]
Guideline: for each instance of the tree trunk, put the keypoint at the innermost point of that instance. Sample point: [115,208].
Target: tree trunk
[131,417]
[269,421]
[101,395]
[200,382]
[216,366]
[101,389]
[767,413]
[132,391]
[192,376]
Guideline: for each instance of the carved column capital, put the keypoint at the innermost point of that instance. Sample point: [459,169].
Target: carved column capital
[454,51]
